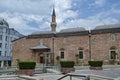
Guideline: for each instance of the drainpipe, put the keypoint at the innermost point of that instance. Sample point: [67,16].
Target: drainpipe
[90,46]
[53,50]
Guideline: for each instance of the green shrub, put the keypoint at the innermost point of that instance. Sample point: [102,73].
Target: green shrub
[27,65]
[67,64]
[95,63]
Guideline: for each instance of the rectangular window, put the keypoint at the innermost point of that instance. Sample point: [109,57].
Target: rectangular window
[0,53]
[62,55]
[10,38]
[5,63]
[112,54]
[81,54]
[0,45]
[6,46]
[0,63]
[0,37]
[5,54]
[6,38]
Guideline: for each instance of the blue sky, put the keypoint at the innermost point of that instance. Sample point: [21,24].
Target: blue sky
[28,16]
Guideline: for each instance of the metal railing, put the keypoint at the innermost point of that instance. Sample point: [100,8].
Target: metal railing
[40,69]
[8,70]
[45,69]
[84,77]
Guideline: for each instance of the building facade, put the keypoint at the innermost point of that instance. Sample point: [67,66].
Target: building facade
[6,36]
[76,44]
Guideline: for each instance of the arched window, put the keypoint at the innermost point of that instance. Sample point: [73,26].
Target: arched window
[113,53]
[65,40]
[113,37]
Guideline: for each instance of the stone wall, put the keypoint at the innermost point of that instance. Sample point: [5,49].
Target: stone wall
[22,49]
[71,47]
[101,44]
[99,47]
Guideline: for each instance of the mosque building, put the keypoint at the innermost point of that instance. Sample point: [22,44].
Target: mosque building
[76,44]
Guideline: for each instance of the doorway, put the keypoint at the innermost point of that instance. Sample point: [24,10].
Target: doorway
[41,59]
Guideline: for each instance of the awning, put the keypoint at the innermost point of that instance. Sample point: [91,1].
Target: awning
[39,47]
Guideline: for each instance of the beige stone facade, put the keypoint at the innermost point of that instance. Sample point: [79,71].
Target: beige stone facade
[22,48]
[71,47]
[76,44]
[101,44]
[95,46]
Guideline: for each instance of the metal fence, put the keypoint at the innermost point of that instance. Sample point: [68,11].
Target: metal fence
[83,77]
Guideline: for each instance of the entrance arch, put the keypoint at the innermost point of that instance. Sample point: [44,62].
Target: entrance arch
[42,55]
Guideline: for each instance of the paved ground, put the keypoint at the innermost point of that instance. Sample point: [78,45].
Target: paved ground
[53,76]
[113,73]
[46,76]
[108,71]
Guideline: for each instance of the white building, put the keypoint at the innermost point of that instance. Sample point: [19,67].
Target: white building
[6,36]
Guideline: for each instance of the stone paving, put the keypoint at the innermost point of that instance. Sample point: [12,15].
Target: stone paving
[45,76]
[108,72]
[52,76]
[113,73]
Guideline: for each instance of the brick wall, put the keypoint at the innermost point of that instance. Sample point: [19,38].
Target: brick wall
[100,46]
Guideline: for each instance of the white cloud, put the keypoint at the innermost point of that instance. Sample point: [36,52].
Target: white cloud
[99,2]
[91,22]
[87,23]
[116,11]
[44,26]
[63,10]
[20,24]
[19,13]
[63,4]
[20,21]
[22,12]
[26,6]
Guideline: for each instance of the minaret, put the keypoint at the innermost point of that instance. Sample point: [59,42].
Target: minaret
[53,23]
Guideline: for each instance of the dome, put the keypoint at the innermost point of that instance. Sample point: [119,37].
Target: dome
[108,26]
[3,22]
[78,29]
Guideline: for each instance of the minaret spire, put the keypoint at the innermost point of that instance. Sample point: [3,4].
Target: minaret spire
[53,14]
[53,23]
